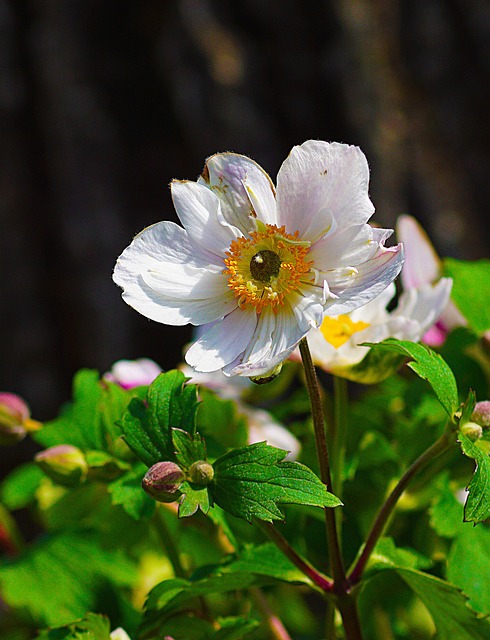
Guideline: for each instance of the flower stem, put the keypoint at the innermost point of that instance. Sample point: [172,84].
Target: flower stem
[335,553]
[318,578]
[441,445]
[168,543]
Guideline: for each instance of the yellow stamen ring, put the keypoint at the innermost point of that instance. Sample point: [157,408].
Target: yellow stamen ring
[265,266]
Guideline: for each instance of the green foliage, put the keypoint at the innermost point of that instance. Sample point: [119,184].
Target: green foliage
[59,579]
[477,507]
[92,627]
[147,425]
[252,481]
[470,291]
[431,367]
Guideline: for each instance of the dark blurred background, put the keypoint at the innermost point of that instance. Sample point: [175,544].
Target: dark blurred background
[103,102]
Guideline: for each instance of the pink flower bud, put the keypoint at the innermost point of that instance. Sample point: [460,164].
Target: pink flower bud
[481,414]
[162,481]
[133,373]
[15,419]
[64,464]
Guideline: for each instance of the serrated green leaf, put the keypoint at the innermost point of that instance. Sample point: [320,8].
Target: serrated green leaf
[93,626]
[430,366]
[127,492]
[80,424]
[447,606]
[470,291]
[147,426]
[477,507]
[188,448]
[58,579]
[219,421]
[19,487]
[252,481]
[468,565]
[193,498]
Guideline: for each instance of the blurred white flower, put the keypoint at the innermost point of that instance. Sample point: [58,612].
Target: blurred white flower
[119,634]
[423,267]
[133,373]
[264,267]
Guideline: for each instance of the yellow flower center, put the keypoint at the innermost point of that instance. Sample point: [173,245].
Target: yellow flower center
[264,267]
[338,330]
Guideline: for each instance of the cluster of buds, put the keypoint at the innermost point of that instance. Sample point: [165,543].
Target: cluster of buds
[15,419]
[164,479]
[480,421]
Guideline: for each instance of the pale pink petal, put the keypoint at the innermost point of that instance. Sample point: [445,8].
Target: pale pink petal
[422,264]
[319,178]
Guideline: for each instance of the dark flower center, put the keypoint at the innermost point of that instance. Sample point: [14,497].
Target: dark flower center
[265,265]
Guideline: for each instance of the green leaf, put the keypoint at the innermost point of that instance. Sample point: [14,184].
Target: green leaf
[127,492]
[447,606]
[477,507]
[188,448]
[235,628]
[80,424]
[92,627]
[219,421]
[60,578]
[446,515]
[467,409]
[252,481]
[470,291]
[193,498]
[19,487]
[267,560]
[468,565]
[387,554]
[428,365]
[147,426]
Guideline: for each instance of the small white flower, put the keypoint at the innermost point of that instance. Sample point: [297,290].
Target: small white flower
[263,264]
[119,634]
[133,373]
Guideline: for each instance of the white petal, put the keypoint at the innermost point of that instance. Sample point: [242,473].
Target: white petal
[320,177]
[424,305]
[364,283]
[182,281]
[422,264]
[347,247]
[199,211]
[240,184]
[307,306]
[224,342]
[375,311]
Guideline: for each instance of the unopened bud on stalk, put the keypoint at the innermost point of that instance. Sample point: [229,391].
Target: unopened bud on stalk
[472,431]
[64,464]
[481,413]
[201,473]
[15,419]
[162,481]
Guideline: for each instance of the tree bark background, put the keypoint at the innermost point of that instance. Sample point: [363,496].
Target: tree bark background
[103,102]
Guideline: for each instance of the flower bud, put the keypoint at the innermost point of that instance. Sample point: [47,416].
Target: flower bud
[129,374]
[162,481]
[201,473]
[64,464]
[472,431]
[268,376]
[481,413]
[119,634]
[15,419]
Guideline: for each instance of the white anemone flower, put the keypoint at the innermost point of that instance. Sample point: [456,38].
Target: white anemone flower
[262,264]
